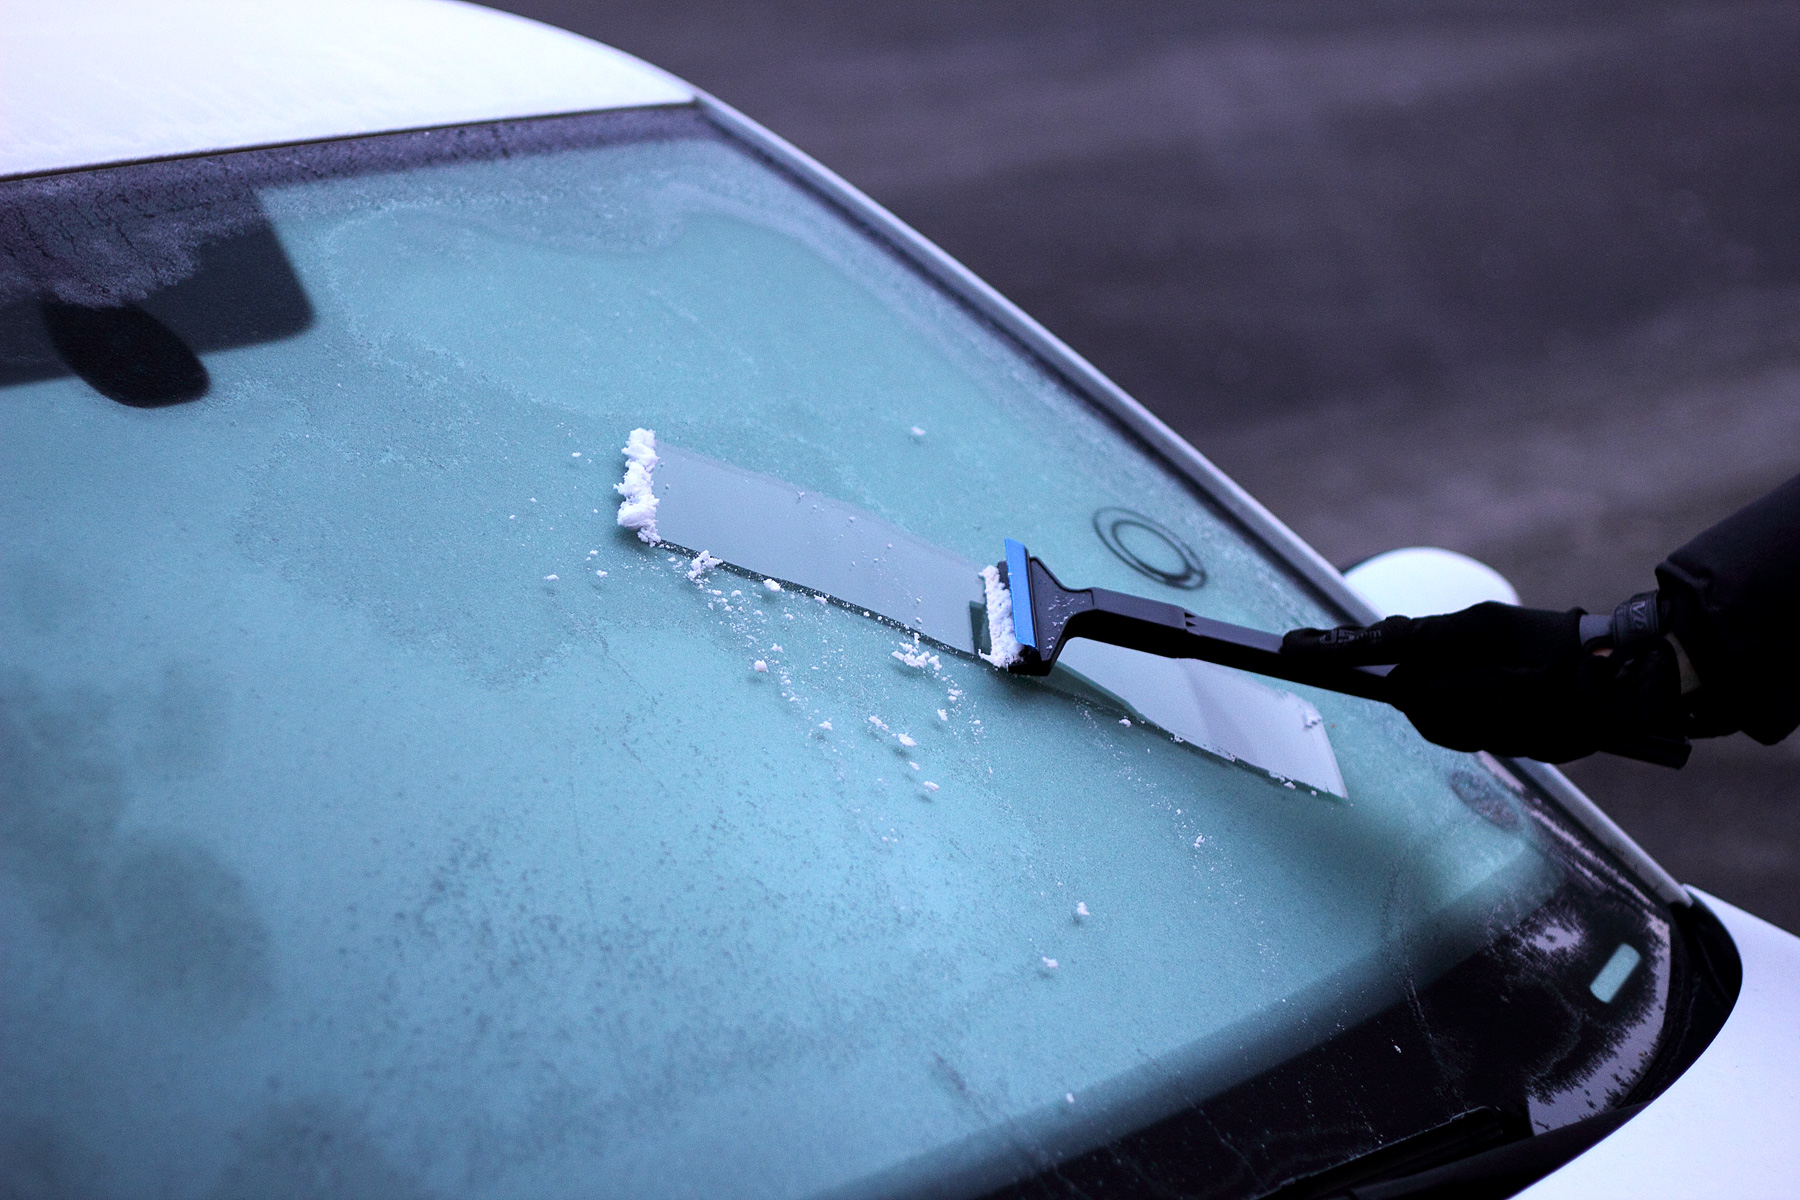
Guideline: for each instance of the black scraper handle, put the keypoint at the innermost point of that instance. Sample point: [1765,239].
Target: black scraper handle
[1169,631]
[1166,630]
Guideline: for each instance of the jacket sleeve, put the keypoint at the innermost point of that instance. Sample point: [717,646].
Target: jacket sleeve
[1733,596]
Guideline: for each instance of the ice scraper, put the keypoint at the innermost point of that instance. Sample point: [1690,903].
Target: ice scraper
[1031,618]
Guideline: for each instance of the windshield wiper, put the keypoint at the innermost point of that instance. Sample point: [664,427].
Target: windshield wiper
[1480,1155]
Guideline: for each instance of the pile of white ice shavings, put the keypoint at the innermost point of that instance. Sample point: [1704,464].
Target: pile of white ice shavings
[638,510]
[1005,648]
[913,655]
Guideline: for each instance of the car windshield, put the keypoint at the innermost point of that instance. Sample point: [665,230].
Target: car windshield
[379,813]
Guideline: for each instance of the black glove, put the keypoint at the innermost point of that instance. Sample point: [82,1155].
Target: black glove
[1509,680]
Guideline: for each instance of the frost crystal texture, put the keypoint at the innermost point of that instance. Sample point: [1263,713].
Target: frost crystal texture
[638,510]
[1005,649]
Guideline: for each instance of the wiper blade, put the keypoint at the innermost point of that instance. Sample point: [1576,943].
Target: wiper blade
[1480,1155]
[1463,1136]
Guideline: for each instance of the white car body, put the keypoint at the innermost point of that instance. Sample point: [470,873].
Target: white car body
[85,83]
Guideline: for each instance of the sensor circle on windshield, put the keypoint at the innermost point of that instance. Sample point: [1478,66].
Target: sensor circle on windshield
[1115,525]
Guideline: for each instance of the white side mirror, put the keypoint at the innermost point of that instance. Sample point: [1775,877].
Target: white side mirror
[1418,581]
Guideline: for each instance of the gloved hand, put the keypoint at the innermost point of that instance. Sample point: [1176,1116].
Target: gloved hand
[1509,680]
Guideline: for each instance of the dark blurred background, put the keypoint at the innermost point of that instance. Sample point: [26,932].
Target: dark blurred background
[1519,279]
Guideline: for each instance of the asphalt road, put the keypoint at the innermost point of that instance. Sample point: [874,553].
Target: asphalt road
[1519,279]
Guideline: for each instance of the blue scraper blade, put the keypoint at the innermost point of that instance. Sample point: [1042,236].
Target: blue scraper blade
[1019,583]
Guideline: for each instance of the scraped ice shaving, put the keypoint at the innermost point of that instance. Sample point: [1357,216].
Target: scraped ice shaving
[760,667]
[1050,964]
[549,579]
[917,432]
[1125,721]
[942,715]
[930,786]
[910,654]
[775,647]
[703,562]
[825,725]
[913,765]
[1068,1097]
[1081,911]
[772,585]
[638,510]
[878,723]
[1005,648]
[905,741]
[601,574]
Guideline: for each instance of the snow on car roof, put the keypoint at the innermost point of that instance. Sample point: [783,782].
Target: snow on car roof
[86,82]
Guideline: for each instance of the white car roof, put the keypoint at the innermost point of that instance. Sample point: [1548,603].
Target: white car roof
[87,82]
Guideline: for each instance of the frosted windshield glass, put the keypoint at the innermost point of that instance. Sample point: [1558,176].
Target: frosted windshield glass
[371,785]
